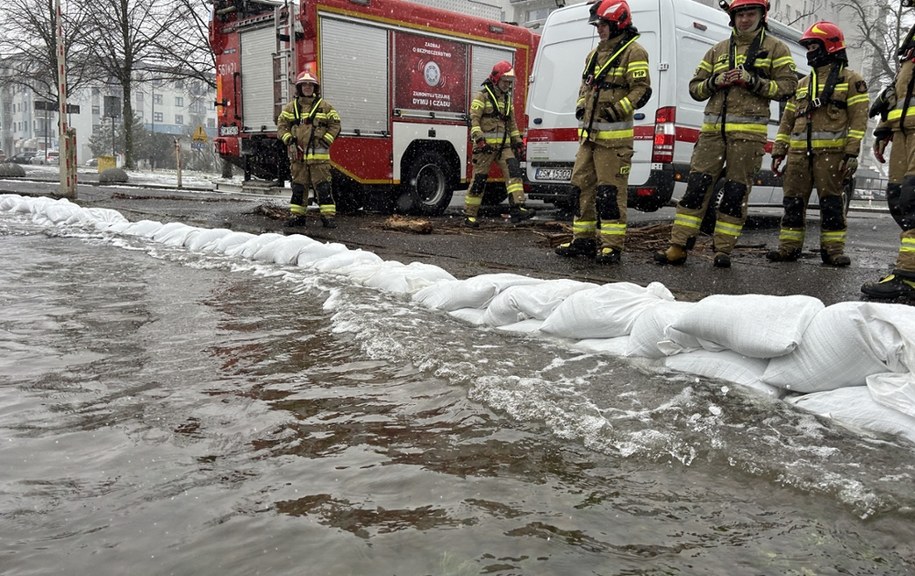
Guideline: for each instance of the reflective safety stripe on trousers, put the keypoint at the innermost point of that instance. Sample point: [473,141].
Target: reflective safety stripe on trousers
[607,130]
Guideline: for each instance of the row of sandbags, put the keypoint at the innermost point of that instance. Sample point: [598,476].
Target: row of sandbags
[853,361]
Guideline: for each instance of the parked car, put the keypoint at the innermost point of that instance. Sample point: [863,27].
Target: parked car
[22,157]
[92,162]
[49,157]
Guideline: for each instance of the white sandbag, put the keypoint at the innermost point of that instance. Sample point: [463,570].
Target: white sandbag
[313,253]
[755,325]
[143,228]
[228,242]
[607,311]
[266,248]
[613,346]
[648,330]
[287,252]
[837,350]
[726,365]
[529,326]
[342,261]
[398,278]
[470,315]
[893,329]
[10,202]
[473,292]
[206,237]
[894,390]
[105,217]
[524,301]
[173,234]
[854,408]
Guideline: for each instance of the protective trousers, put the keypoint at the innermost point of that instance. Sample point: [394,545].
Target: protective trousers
[802,173]
[318,176]
[600,180]
[740,160]
[511,172]
[900,198]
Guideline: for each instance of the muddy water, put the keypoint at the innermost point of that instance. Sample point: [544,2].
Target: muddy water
[170,413]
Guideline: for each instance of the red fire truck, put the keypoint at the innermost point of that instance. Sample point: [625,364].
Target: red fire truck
[400,74]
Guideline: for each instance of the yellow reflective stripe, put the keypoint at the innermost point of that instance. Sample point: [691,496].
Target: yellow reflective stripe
[297,209]
[637,65]
[606,134]
[705,66]
[476,133]
[859,134]
[857,99]
[473,200]
[773,88]
[328,137]
[515,186]
[287,115]
[781,137]
[626,105]
[832,236]
[580,227]
[728,229]
[317,156]
[687,221]
[790,107]
[612,229]
[784,60]
[476,105]
[798,144]
[907,245]
[897,114]
[729,127]
[788,234]
[287,137]
[328,209]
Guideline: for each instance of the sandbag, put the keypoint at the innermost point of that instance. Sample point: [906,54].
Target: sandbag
[854,408]
[837,350]
[649,329]
[894,390]
[726,365]
[607,311]
[524,301]
[754,325]
[474,292]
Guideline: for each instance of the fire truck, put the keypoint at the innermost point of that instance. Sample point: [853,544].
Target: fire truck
[400,74]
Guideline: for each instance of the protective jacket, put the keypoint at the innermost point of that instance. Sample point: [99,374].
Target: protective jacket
[614,84]
[314,124]
[828,113]
[742,111]
[901,104]
[492,117]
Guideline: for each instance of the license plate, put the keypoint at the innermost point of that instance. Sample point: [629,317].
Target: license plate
[228,130]
[553,174]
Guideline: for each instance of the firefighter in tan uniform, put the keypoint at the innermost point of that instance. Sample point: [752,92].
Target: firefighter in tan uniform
[307,126]
[820,133]
[739,77]
[615,83]
[496,138]
[896,104]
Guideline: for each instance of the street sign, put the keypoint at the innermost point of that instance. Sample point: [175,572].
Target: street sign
[55,106]
[200,135]
[112,107]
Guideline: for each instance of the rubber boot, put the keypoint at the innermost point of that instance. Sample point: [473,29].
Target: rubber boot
[297,221]
[675,255]
[835,260]
[783,255]
[578,247]
[890,288]
[519,213]
[722,260]
[609,255]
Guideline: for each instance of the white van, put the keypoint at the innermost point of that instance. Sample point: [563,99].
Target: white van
[676,34]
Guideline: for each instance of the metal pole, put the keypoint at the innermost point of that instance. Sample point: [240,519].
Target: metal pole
[66,157]
[178,160]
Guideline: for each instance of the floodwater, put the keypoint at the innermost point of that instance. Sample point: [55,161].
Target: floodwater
[165,412]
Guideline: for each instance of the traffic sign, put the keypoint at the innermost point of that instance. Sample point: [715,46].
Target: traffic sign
[200,134]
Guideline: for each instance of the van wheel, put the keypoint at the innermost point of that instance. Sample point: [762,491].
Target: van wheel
[428,185]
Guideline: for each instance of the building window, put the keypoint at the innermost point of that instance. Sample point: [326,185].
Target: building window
[157,98]
[140,98]
[179,101]
[179,119]
[96,109]
[157,117]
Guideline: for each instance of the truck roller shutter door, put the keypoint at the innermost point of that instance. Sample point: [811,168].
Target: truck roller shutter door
[257,48]
[354,75]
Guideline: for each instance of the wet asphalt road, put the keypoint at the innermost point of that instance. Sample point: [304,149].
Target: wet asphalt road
[498,246]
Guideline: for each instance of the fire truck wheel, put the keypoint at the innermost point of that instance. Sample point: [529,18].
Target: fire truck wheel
[428,184]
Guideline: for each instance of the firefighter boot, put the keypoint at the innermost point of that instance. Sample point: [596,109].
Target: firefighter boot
[674,255]
[890,288]
[471,222]
[296,221]
[324,192]
[519,213]
[835,260]
[578,247]
[328,221]
[609,255]
[722,260]
[783,255]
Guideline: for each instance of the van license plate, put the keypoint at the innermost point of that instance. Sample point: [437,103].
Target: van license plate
[553,174]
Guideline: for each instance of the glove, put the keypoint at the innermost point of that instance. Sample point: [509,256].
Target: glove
[849,165]
[745,78]
[291,141]
[481,147]
[579,113]
[777,164]
[720,81]
[880,149]
[611,114]
[518,149]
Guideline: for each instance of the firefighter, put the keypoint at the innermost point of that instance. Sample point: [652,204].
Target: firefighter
[820,133]
[615,83]
[307,126]
[739,77]
[496,138]
[896,105]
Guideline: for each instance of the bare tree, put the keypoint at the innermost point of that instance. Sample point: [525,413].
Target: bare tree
[186,48]
[880,26]
[29,42]
[130,36]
